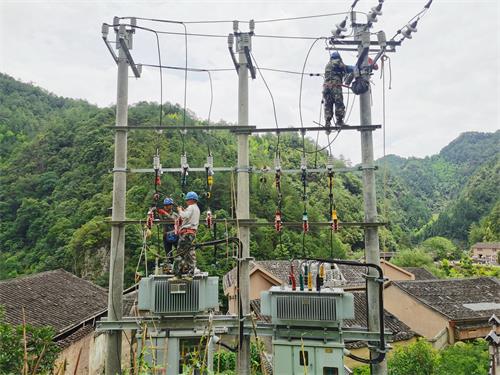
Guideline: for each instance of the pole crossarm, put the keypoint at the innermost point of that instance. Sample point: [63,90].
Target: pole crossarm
[228,324]
[253,170]
[255,223]
[249,128]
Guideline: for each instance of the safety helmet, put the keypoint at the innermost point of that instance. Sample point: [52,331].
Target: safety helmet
[335,56]
[168,201]
[191,195]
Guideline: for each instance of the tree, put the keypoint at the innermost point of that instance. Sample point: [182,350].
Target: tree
[412,258]
[441,248]
[464,359]
[418,358]
[41,350]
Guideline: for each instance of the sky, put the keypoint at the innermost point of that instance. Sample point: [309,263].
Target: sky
[443,81]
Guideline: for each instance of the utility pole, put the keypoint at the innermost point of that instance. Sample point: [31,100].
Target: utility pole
[372,250]
[114,340]
[243,47]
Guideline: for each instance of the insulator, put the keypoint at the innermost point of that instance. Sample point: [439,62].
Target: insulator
[303,163]
[340,28]
[184,165]
[291,279]
[335,221]
[329,163]
[301,282]
[305,222]
[318,282]
[156,163]
[210,162]
[278,225]
[251,25]
[208,219]
[230,40]
[277,164]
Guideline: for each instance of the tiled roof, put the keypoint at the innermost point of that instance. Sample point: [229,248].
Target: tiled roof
[277,268]
[55,298]
[352,276]
[486,245]
[420,273]
[457,299]
[400,331]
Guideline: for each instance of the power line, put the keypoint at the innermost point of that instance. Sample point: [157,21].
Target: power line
[310,74]
[231,21]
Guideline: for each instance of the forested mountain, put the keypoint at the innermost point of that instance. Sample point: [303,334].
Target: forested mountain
[56,155]
[448,194]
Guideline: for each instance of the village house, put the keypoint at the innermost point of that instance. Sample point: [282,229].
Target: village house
[71,306]
[486,252]
[445,311]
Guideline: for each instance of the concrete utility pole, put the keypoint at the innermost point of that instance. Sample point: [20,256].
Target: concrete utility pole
[243,40]
[372,250]
[114,341]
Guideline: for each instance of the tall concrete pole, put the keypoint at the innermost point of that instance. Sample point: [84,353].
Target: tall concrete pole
[372,250]
[113,349]
[242,206]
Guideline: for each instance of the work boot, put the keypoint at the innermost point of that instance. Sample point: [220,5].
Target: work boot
[328,122]
[340,121]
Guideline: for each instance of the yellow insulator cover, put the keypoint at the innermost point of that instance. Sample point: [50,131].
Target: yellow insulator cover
[210,180]
[310,281]
[334,215]
[322,271]
[148,233]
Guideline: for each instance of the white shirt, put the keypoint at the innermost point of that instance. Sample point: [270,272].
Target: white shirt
[190,217]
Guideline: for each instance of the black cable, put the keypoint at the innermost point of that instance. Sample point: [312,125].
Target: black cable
[301,17]
[302,79]
[321,149]
[268,89]
[231,21]
[310,74]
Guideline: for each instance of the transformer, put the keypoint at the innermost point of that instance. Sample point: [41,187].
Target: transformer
[167,295]
[297,310]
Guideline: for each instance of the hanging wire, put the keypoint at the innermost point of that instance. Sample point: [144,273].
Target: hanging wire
[302,79]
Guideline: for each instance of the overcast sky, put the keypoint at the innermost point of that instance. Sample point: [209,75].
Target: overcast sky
[444,81]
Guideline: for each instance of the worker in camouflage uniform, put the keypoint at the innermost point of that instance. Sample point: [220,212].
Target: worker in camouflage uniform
[335,72]
[185,261]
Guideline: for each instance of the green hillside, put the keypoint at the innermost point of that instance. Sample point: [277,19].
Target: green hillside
[57,153]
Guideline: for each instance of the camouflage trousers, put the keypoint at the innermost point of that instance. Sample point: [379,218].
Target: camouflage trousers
[332,95]
[185,260]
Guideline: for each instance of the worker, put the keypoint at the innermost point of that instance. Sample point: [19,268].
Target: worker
[185,261]
[170,238]
[335,72]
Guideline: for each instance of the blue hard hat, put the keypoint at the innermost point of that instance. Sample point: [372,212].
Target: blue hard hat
[191,195]
[168,201]
[335,55]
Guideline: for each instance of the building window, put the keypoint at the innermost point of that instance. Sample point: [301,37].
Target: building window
[304,358]
[330,371]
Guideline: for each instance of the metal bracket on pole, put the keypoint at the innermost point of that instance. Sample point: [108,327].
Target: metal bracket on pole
[105,31]
[125,41]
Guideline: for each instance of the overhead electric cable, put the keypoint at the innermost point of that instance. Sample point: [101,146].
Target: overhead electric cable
[302,79]
[310,74]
